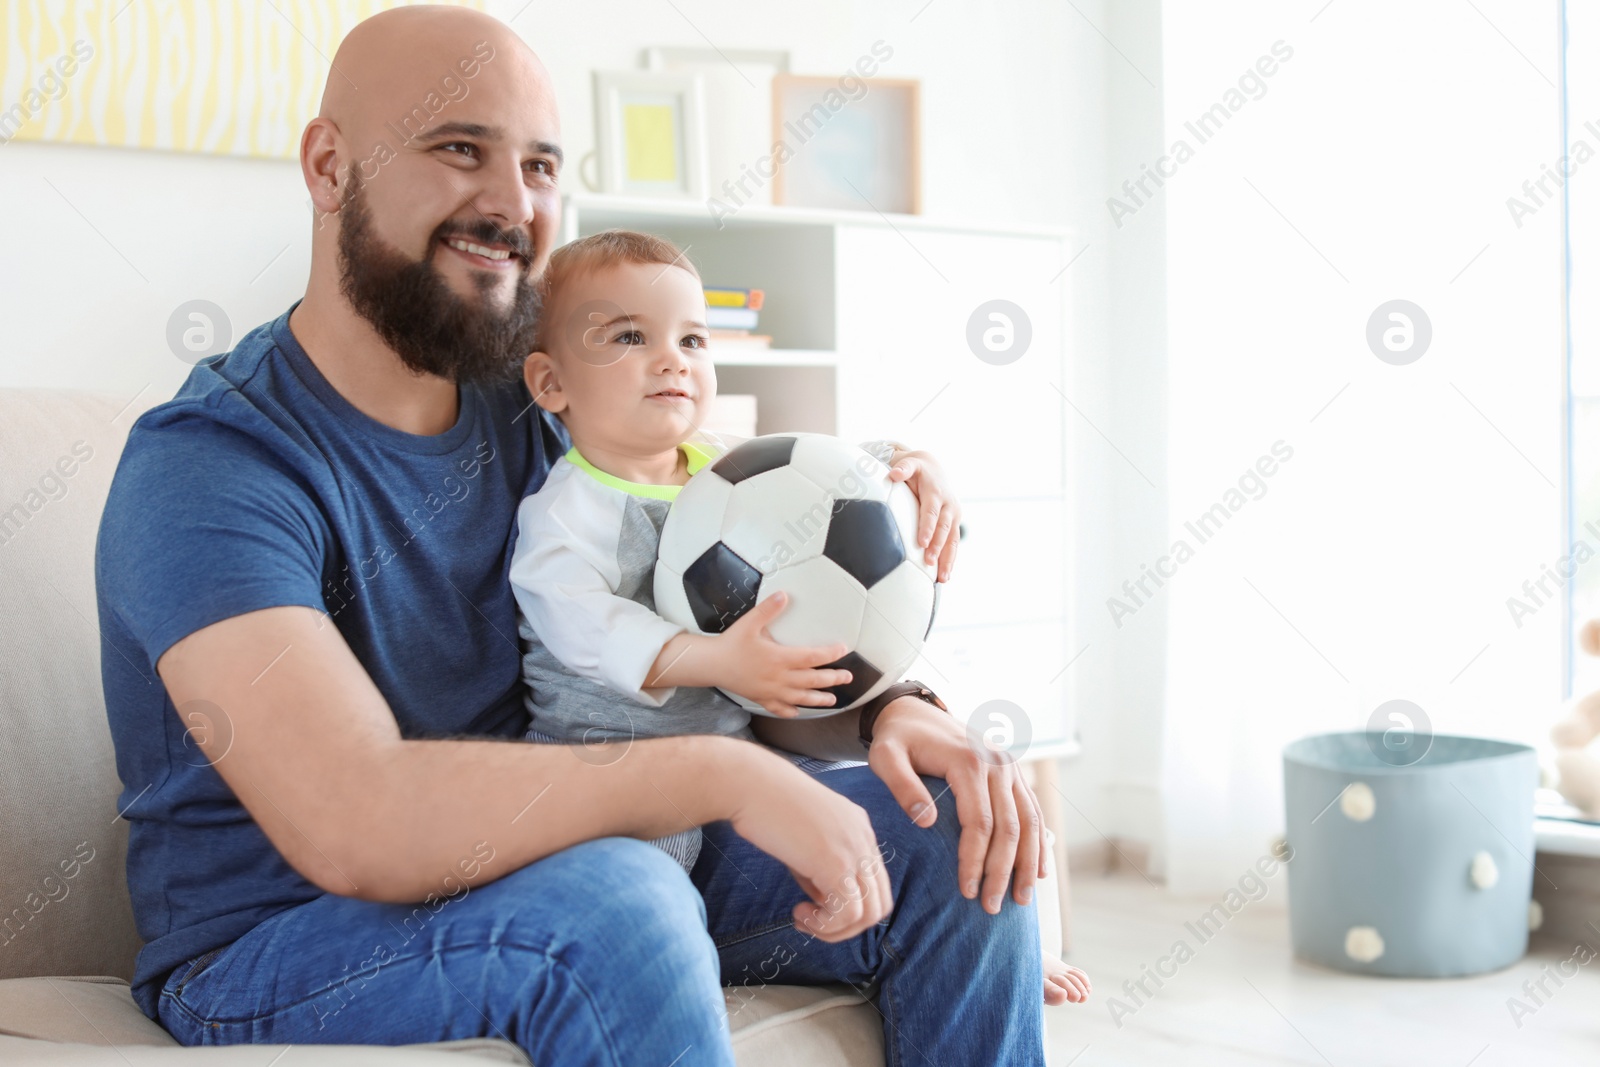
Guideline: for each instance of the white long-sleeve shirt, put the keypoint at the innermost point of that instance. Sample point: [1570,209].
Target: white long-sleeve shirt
[583,571]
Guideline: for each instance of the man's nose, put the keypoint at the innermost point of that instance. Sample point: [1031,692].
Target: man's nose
[503,196]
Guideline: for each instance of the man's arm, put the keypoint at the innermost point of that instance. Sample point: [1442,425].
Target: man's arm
[312,750]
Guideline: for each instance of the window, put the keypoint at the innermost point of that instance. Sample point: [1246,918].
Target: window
[1580,102]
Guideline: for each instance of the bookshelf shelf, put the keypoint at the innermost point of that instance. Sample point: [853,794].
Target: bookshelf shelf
[773,357]
[601,211]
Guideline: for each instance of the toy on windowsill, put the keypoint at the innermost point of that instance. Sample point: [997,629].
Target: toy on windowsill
[1577,751]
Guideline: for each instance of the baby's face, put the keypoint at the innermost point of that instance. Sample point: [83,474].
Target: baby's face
[627,369]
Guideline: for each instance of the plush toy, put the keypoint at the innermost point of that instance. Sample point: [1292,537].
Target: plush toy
[1577,754]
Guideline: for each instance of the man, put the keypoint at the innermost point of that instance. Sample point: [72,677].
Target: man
[308,547]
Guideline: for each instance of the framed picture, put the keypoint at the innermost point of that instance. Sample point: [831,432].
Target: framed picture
[853,146]
[738,96]
[650,132]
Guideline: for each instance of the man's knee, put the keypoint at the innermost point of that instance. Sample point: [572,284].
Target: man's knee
[937,844]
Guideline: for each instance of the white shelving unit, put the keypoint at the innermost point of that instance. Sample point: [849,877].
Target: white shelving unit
[869,319]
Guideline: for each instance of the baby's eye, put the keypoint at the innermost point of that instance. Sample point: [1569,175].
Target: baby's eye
[630,337]
[694,340]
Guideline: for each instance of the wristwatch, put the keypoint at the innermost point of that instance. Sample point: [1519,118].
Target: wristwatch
[907,688]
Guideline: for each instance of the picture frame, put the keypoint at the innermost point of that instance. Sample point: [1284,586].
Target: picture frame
[650,133]
[846,151]
[738,99]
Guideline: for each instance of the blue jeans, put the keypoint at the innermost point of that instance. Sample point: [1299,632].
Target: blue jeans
[609,953]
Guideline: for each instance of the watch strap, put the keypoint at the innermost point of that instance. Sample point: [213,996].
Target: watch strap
[871,709]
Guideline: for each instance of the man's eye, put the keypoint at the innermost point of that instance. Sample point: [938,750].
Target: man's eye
[549,167]
[460,147]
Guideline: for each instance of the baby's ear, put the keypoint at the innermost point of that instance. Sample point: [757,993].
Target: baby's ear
[544,385]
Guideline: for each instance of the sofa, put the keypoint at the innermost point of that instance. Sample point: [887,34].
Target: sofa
[67,937]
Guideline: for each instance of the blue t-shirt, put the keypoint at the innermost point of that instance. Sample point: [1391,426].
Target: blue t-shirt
[259,486]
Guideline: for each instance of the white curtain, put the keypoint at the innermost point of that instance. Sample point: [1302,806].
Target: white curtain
[1375,562]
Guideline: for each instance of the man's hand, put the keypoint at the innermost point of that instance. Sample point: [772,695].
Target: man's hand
[939,521]
[746,660]
[827,843]
[1002,828]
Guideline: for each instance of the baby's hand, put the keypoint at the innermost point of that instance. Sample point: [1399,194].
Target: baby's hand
[781,678]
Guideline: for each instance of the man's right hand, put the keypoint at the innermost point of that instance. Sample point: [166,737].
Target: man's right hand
[827,842]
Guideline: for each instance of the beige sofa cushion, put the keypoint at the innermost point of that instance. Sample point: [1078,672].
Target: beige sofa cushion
[96,1020]
[58,779]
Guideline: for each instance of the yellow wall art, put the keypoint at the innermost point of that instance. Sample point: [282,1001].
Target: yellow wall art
[227,77]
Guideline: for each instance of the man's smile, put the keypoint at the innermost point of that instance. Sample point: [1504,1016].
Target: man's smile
[484,256]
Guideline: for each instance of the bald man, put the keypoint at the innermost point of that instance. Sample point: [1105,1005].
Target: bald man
[311,674]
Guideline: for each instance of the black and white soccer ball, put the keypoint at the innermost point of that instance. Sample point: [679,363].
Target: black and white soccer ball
[819,519]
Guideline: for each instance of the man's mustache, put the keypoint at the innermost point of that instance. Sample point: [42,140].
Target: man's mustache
[484,232]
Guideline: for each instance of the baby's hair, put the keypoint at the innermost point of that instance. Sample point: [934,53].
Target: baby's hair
[603,249]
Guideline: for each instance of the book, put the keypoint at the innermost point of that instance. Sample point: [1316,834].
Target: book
[734,298]
[726,318]
[723,341]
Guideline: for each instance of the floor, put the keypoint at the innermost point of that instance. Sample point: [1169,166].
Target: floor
[1242,1000]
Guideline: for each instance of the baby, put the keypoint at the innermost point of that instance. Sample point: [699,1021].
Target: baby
[624,361]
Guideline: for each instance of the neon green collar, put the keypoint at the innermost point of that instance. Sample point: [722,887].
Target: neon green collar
[698,457]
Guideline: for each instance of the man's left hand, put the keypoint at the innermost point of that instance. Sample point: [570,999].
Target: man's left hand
[939,521]
[1002,827]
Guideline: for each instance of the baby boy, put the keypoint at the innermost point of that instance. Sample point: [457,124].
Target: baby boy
[625,363]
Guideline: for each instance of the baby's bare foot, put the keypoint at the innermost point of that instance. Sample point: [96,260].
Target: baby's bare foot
[1063,983]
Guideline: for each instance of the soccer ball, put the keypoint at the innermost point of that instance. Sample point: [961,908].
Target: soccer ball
[815,517]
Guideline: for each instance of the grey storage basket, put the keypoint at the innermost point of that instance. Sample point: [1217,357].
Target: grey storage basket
[1418,871]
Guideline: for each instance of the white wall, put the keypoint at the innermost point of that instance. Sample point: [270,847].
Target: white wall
[1419,497]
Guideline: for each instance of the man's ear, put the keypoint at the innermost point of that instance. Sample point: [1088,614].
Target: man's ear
[544,384]
[320,146]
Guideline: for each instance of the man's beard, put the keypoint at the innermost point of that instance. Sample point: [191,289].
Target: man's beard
[414,310]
